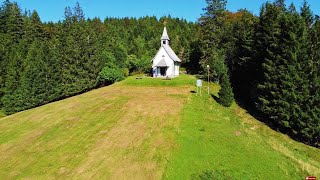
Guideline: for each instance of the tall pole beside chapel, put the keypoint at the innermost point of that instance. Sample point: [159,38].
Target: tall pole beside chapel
[208,68]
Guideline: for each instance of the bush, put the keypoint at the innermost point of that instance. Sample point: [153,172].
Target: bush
[111,75]
[125,72]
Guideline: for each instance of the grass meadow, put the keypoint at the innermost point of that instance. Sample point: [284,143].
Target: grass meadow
[148,129]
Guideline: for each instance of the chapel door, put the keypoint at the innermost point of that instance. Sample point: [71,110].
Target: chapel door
[163,71]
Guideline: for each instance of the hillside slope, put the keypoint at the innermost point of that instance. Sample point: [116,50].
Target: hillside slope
[147,129]
[228,143]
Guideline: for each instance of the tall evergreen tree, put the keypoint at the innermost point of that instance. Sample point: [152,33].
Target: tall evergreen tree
[307,14]
[225,93]
[78,13]
[242,65]
[12,21]
[212,31]
[314,124]
[281,4]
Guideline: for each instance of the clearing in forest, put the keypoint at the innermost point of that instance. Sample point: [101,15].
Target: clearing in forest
[147,129]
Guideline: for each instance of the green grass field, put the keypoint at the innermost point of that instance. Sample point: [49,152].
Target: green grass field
[148,129]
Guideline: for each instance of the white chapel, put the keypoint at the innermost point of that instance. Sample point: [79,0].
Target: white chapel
[166,63]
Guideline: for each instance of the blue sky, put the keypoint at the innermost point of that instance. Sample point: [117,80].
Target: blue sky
[53,10]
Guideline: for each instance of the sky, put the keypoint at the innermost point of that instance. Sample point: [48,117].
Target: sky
[53,10]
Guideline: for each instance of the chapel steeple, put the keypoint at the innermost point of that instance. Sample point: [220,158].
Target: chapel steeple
[165,37]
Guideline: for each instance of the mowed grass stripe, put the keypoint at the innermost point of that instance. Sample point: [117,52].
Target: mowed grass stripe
[116,131]
[57,141]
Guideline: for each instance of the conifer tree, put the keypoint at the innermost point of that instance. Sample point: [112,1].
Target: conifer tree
[242,65]
[213,36]
[292,8]
[225,93]
[78,13]
[307,14]
[37,27]
[314,124]
[281,4]
[12,21]
[213,28]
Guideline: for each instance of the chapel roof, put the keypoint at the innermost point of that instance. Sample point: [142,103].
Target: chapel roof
[171,53]
[162,63]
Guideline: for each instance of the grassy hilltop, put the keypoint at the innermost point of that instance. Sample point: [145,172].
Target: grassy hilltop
[148,129]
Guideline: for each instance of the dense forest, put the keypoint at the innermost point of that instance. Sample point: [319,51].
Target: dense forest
[269,63]
[44,62]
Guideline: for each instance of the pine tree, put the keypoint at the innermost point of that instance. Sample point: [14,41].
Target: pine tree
[292,8]
[37,28]
[78,13]
[15,67]
[225,93]
[314,123]
[68,16]
[281,4]
[266,46]
[307,14]
[212,31]
[268,37]
[12,21]
[242,65]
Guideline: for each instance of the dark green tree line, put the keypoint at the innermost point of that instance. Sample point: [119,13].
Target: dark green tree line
[43,62]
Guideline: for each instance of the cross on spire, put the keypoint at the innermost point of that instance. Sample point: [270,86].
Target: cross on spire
[165,22]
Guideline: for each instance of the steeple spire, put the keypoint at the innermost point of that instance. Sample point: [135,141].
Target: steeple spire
[165,34]
[165,37]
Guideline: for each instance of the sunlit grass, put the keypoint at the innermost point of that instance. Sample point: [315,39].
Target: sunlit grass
[141,80]
[148,129]
[227,143]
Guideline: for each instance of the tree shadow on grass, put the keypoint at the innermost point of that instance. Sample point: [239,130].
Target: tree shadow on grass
[216,98]
[210,174]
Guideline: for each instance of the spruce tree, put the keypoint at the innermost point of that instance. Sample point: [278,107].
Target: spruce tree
[265,54]
[212,31]
[314,123]
[213,37]
[307,14]
[37,27]
[13,21]
[281,4]
[78,13]
[225,93]
[242,65]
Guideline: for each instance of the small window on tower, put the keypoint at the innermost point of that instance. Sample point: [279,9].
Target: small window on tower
[164,42]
